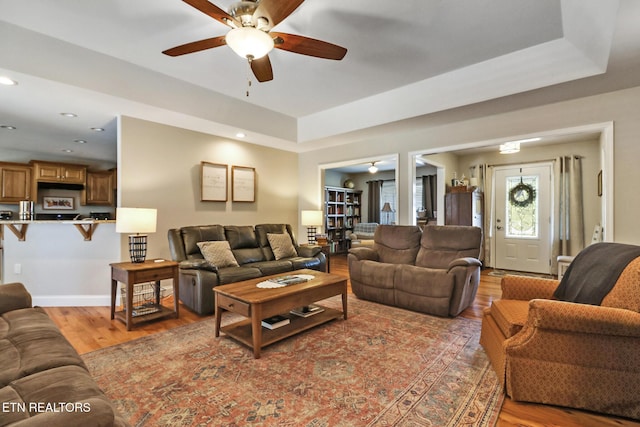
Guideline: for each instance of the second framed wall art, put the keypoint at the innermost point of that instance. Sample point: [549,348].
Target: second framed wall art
[214,186]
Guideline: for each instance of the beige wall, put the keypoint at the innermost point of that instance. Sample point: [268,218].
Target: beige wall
[159,167]
[621,107]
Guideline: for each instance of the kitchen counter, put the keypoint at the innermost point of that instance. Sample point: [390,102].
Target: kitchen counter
[19,227]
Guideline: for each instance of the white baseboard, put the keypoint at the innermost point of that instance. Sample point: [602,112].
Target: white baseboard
[83,300]
[72,300]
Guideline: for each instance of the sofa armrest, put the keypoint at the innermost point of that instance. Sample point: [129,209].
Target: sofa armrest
[464,262]
[309,251]
[14,296]
[197,264]
[568,317]
[527,288]
[364,253]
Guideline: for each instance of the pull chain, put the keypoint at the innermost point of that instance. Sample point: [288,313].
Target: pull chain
[248,76]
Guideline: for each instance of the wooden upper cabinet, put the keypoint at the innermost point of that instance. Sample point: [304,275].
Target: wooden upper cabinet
[99,189]
[59,172]
[16,183]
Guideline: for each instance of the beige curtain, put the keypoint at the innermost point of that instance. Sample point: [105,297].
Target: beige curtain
[568,236]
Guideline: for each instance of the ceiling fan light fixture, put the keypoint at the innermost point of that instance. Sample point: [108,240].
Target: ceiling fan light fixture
[373,168]
[249,42]
[510,147]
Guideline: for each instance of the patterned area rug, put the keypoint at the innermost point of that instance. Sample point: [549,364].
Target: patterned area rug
[384,366]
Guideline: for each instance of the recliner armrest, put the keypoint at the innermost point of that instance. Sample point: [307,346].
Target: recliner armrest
[364,253]
[309,251]
[197,264]
[464,262]
[14,296]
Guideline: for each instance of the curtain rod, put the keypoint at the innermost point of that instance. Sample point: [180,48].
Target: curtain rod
[516,164]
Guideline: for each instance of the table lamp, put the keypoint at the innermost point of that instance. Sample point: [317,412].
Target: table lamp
[311,219]
[387,208]
[136,220]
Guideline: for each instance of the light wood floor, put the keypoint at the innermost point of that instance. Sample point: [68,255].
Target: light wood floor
[89,328]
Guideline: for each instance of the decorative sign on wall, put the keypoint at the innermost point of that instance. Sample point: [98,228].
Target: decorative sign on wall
[213,182]
[243,187]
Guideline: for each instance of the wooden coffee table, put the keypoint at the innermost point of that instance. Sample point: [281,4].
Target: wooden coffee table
[246,299]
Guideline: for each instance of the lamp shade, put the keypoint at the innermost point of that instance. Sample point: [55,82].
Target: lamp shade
[249,42]
[386,207]
[311,217]
[136,220]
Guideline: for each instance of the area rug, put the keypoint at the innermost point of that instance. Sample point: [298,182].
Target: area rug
[384,366]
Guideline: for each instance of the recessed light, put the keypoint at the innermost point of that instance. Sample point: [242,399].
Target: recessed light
[8,127]
[241,134]
[7,81]
[80,141]
[69,114]
[98,129]
[66,150]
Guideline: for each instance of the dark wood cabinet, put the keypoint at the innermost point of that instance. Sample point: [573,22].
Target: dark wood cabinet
[464,208]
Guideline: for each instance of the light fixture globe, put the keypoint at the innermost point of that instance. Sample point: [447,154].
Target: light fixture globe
[249,42]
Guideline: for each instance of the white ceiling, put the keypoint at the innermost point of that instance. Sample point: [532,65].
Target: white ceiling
[405,61]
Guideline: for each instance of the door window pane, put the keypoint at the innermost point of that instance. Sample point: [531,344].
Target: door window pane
[522,207]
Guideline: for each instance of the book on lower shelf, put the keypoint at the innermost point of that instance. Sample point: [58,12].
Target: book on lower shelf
[275,322]
[307,310]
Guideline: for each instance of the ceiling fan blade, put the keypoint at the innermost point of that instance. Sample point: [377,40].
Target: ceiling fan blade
[308,46]
[214,11]
[262,69]
[275,10]
[196,46]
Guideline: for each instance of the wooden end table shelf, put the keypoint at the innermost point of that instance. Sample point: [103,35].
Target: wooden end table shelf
[246,299]
[130,274]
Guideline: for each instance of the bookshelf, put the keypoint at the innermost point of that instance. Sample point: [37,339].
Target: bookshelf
[342,211]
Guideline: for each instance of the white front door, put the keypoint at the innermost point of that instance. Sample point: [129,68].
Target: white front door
[522,223]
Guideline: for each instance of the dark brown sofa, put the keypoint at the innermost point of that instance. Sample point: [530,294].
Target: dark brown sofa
[43,380]
[251,249]
[435,271]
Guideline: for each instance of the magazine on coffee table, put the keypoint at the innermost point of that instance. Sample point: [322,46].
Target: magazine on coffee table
[288,280]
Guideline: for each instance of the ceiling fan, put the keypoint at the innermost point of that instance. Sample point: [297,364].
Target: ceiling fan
[251,37]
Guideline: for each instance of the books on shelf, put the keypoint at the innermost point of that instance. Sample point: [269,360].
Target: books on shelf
[288,280]
[275,322]
[307,310]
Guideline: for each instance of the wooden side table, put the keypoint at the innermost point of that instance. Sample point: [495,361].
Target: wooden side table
[130,274]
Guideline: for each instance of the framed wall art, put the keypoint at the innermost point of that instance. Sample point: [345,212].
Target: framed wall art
[57,203]
[243,188]
[213,182]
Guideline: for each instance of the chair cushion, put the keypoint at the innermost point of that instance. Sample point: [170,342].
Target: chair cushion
[397,244]
[626,292]
[510,315]
[281,245]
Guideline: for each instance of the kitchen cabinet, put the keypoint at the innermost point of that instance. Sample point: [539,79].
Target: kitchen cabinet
[99,189]
[59,172]
[16,183]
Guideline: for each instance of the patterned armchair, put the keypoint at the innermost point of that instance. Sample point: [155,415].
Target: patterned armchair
[568,354]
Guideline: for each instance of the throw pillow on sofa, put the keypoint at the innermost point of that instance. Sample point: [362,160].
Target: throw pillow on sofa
[218,253]
[281,245]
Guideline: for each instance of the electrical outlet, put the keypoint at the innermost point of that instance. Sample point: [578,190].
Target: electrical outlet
[17,268]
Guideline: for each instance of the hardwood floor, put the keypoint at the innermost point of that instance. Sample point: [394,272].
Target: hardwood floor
[89,328]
